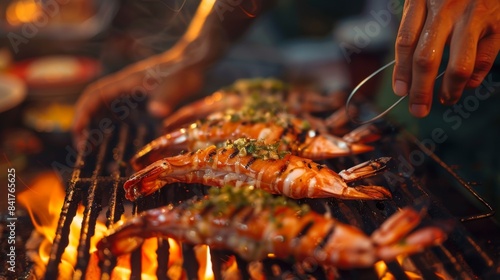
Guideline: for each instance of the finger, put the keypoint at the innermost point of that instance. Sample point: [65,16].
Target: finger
[463,46]
[172,91]
[406,41]
[87,105]
[426,60]
[81,118]
[487,50]
[160,109]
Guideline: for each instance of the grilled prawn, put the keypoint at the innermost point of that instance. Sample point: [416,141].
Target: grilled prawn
[296,136]
[253,163]
[254,224]
[242,93]
[254,93]
[253,109]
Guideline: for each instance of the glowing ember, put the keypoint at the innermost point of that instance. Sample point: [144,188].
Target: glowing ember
[409,268]
[382,272]
[44,200]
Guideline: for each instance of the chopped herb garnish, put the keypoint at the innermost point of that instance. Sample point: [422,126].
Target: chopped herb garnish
[263,100]
[235,197]
[257,148]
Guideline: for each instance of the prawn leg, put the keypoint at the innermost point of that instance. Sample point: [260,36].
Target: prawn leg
[253,224]
[366,133]
[218,101]
[364,169]
[396,235]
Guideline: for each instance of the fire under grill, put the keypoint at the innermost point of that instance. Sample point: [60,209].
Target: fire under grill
[97,179]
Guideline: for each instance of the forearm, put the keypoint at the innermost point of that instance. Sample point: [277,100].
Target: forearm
[214,27]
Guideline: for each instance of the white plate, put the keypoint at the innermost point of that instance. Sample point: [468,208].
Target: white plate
[12,92]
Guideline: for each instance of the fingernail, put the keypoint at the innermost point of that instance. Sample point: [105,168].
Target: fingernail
[444,98]
[400,88]
[419,110]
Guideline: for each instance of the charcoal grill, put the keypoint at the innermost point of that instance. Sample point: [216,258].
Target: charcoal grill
[97,178]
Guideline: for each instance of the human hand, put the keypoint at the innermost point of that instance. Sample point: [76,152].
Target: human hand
[164,79]
[471,27]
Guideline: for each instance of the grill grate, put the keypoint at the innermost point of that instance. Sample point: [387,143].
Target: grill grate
[98,176]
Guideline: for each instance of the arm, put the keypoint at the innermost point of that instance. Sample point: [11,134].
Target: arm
[177,73]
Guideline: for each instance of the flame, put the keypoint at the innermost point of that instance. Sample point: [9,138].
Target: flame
[204,259]
[409,269]
[194,29]
[44,200]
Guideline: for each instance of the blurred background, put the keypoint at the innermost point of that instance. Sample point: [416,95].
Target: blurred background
[50,50]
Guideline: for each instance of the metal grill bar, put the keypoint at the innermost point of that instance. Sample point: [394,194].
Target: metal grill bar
[68,212]
[163,254]
[191,267]
[396,270]
[115,209]
[460,257]
[488,213]
[92,210]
